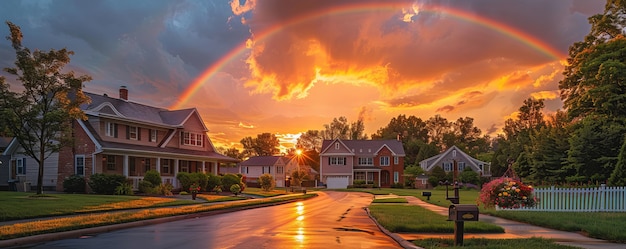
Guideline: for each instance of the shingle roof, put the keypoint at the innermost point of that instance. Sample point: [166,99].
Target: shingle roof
[368,147]
[136,111]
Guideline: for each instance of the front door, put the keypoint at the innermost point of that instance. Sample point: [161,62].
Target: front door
[384,178]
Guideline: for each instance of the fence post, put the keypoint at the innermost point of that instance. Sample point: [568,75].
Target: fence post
[602,196]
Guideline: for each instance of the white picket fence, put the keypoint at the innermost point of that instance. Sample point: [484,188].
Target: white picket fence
[600,199]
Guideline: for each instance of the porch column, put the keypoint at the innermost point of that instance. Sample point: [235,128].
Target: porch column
[215,166]
[203,167]
[125,166]
[379,176]
[158,165]
[175,172]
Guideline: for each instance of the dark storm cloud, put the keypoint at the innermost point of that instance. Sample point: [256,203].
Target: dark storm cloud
[152,46]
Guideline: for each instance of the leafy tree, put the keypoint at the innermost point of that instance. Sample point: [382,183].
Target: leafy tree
[298,176]
[338,128]
[618,177]
[437,127]
[408,128]
[411,172]
[267,182]
[40,116]
[469,176]
[310,140]
[265,144]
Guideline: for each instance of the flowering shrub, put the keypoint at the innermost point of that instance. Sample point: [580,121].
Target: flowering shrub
[507,193]
[194,188]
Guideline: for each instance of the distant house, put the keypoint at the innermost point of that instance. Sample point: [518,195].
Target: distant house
[446,161]
[126,138]
[277,166]
[5,164]
[379,162]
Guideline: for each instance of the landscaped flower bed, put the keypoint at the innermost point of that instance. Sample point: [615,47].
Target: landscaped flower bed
[507,193]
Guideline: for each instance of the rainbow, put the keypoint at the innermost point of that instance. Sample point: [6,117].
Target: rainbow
[501,28]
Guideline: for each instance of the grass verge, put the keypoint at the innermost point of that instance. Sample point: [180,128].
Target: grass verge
[19,205]
[492,244]
[600,225]
[416,219]
[390,200]
[101,219]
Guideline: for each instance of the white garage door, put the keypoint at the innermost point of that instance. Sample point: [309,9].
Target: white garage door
[336,182]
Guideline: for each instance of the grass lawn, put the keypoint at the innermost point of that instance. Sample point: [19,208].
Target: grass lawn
[492,244]
[261,192]
[390,200]
[599,225]
[18,205]
[415,219]
[100,219]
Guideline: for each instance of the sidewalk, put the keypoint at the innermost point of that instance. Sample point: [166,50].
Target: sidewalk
[514,229]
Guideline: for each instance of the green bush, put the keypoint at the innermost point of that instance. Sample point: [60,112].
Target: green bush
[146,187]
[229,180]
[124,189]
[213,181]
[267,182]
[187,179]
[105,183]
[74,184]
[235,189]
[397,185]
[164,189]
[153,177]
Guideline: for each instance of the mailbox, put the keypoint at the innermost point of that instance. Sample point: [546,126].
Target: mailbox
[463,212]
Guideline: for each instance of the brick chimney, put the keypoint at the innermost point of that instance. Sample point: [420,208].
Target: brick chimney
[123,93]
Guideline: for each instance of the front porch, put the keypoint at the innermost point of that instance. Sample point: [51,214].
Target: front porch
[378,177]
[135,166]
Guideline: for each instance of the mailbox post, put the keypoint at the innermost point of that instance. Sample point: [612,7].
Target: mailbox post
[459,213]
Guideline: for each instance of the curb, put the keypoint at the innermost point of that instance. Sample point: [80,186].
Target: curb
[404,243]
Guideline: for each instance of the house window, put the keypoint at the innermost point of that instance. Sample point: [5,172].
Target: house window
[133,132]
[146,164]
[191,138]
[184,166]
[266,169]
[20,166]
[165,166]
[279,170]
[447,167]
[370,177]
[110,162]
[79,165]
[359,176]
[366,161]
[384,161]
[461,166]
[396,177]
[153,135]
[244,170]
[396,160]
[110,129]
[337,161]
[336,146]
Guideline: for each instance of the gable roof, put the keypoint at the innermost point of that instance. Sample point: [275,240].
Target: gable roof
[103,105]
[262,161]
[366,147]
[428,163]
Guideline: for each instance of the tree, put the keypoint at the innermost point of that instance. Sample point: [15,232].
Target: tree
[469,176]
[411,172]
[618,176]
[437,127]
[310,140]
[265,144]
[267,182]
[39,118]
[338,128]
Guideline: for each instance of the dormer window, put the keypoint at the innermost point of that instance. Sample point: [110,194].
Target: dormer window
[336,146]
[191,138]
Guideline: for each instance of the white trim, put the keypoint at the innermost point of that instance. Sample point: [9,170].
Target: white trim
[168,139]
[89,134]
[199,117]
[98,108]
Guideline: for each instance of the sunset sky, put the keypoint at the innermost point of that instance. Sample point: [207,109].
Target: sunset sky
[285,67]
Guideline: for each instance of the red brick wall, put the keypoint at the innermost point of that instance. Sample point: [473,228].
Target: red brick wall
[82,146]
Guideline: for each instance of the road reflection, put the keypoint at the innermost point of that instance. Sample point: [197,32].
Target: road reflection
[300,237]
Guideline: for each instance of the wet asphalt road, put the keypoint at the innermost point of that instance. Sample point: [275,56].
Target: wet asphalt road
[331,220]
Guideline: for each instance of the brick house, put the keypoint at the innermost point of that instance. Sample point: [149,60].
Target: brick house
[127,138]
[380,162]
